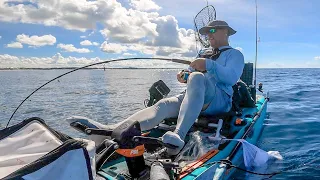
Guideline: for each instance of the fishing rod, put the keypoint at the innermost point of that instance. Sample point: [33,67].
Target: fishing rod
[180,61]
[256,58]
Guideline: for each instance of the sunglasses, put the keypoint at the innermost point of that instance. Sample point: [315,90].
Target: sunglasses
[213,30]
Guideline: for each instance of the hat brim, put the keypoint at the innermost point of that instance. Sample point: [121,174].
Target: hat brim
[205,30]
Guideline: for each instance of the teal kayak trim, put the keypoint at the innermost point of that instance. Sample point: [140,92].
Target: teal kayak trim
[253,136]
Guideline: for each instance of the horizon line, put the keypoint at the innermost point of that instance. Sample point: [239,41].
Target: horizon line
[58,68]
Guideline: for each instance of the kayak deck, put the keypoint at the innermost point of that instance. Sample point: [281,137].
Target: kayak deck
[117,168]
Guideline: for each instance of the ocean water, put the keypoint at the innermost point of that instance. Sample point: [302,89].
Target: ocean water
[292,126]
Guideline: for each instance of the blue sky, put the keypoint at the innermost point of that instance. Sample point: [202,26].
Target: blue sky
[52,33]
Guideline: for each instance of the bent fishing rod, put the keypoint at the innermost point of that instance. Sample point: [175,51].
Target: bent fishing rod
[180,61]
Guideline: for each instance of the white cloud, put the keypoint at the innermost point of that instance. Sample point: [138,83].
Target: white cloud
[82,37]
[89,43]
[36,41]
[129,54]
[73,14]
[317,58]
[150,50]
[185,47]
[86,43]
[130,26]
[137,29]
[312,64]
[239,48]
[146,63]
[112,47]
[0,37]
[10,61]
[91,33]
[144,5]
[57,60]
[95,44]
[71,48]
[167,39]
[279,63]
[15,45]
[168,35]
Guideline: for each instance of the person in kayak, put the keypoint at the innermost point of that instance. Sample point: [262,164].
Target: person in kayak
[209,88]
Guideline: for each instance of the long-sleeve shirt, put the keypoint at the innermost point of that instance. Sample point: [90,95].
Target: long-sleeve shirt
[226,70]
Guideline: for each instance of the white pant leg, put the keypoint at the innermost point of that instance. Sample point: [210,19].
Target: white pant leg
[152,116]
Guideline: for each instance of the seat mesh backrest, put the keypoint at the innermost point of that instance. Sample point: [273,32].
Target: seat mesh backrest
[247,75]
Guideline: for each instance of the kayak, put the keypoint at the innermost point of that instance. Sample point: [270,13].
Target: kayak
[204,167]
[128,153]
[31,149]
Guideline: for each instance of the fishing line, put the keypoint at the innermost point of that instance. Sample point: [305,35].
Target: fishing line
[108,157]
[180,61]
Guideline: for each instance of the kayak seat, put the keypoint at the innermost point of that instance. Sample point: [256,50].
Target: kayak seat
[243,97]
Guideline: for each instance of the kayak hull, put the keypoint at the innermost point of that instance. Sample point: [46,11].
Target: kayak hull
[237,160]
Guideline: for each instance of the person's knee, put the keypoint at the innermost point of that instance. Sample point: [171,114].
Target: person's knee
[162,102]
[168,101]
[196,77]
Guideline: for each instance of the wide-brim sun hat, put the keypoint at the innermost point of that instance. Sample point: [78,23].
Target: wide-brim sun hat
[217,24]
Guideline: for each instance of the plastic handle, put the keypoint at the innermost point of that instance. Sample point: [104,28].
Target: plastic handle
[79,126]
[102,132]
[219,127]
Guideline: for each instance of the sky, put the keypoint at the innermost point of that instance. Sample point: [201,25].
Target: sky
[56,33]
